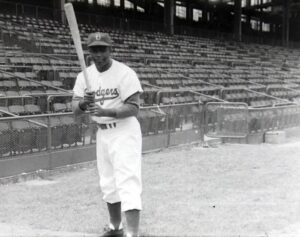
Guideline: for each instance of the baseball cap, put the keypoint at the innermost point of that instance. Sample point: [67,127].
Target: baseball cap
[98,39]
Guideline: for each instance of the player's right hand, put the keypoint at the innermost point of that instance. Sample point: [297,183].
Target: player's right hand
[88,99]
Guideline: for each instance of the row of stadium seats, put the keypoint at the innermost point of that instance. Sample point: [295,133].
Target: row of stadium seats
[38,108]
[20,110]
[134,46]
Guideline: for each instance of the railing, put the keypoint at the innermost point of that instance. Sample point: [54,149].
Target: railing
[162,126]
[237,120]
[273,118]
[23,135]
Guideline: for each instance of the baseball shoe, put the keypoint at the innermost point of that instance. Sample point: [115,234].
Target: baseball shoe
[110,232]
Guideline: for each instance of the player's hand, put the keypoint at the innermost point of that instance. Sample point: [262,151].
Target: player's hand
[96,110]
[88,99]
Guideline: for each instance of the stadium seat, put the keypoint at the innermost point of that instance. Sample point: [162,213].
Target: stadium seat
[57,83]
[32,109]
[13,101]
[24,84]
[47,83]
[36,86]
[40,98]
[31,75]
[69,106]
[59,107]
[20,74]
[165,100]
[3,100]
[3,108]
[17,109]
[26,100]
[9,85]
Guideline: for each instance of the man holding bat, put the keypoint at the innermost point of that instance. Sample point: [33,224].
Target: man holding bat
[113,100]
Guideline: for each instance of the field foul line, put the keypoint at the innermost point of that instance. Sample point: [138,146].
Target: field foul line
[9,230]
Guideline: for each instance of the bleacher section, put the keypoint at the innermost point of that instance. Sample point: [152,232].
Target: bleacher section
[38,68]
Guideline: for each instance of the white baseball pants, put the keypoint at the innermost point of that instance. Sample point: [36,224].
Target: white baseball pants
[119,163]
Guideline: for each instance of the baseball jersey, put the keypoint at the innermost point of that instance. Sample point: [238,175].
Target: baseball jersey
[112,87]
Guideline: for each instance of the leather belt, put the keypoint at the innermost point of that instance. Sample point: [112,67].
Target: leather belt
[106,125]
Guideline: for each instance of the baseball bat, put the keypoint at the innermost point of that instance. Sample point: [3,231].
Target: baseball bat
[70,14]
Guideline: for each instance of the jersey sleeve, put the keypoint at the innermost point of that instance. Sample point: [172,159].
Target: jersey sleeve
[79,86]
[130,85]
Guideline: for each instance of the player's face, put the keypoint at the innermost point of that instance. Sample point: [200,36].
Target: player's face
[100,56]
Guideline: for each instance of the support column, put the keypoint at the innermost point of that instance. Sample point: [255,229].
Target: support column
[58,10]
[169,10]
[122,6]
[286,23]
[238,20]
[135,6]
[248,16]
[204,12]
[260,19]
[147,8]
[189,12]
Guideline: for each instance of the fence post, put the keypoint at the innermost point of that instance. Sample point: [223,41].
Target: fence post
[167,127]
[49,134]
[201,121]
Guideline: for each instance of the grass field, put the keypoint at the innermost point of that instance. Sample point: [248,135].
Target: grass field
[232,190]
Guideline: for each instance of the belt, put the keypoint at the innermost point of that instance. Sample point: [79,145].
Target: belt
[106,125]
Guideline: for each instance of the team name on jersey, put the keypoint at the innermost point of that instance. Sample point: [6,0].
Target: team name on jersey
[103,94]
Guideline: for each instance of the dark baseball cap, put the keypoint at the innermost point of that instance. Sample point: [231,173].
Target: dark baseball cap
[98,39]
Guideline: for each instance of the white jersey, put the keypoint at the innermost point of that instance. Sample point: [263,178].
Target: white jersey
[111,87]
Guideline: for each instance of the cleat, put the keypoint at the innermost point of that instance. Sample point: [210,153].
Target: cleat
[111,232]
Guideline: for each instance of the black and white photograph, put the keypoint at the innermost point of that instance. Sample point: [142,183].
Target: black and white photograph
[150,118]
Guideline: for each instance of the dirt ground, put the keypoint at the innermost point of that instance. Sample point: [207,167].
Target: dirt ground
[231,190]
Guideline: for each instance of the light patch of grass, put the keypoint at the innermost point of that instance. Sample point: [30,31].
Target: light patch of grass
[233,190]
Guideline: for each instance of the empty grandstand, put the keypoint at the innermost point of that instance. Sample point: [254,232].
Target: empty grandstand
[189,60]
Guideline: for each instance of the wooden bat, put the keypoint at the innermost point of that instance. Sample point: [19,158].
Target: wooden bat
[70,14]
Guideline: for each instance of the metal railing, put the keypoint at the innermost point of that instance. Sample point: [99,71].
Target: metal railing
[162,126]
[21,135]
[237,120]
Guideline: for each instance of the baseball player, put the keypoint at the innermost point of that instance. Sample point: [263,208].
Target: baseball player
[114,103]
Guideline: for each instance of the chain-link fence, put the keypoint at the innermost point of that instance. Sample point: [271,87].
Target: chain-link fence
[170,125]
[36,133]
[226,119]
[48,132]
[162,126]
[236,120]
[265,119]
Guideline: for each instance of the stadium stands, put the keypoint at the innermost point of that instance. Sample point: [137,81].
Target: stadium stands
[39,67]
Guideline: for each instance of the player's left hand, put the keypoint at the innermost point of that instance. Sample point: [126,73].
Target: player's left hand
[96,110]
